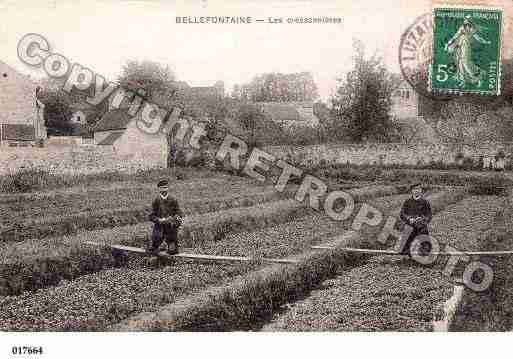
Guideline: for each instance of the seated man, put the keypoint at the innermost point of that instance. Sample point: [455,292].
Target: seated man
[167,218]
[415,212]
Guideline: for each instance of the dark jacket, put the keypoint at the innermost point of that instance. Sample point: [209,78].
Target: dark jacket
[416,208]
[162,208]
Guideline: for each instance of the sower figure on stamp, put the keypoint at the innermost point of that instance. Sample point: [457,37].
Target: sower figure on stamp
[416,212]
[167,218]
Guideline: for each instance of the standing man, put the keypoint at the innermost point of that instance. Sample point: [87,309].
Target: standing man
[167,218]
[415,212]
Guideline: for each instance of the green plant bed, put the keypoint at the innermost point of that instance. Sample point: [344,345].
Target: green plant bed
[32,179]
[250,299]
[97,219]
[196,230]
[291,237]
[77,200]
[489,182]
[96,301]
[492,309]
[389,293]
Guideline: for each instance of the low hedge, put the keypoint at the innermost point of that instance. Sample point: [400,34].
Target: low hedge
[255,297]
[449,178]
[37,179]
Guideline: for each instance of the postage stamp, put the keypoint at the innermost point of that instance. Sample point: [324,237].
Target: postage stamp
[466,51]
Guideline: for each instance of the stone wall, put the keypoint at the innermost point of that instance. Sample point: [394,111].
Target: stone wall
[77,159]
[391,153]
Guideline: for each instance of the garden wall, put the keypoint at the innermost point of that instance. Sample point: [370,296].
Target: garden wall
[393,153]
[93,158]
[74,159]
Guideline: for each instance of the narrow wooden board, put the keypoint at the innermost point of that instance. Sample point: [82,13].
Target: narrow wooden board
[358,250]
[204,257]
[389,252]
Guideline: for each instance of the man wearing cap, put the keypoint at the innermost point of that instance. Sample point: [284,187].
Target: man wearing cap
[415,212]
[167,218]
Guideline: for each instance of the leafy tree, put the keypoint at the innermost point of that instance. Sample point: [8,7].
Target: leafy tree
[57,109]
[362,103]
[278,87]
[60,105]
[250,117]
[157,80]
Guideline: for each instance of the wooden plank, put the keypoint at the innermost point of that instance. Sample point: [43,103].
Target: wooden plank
[192,256]
[214,258]
[477,253]
[358,250]
[128,249]
[389,252]
[279,260]
[207,257]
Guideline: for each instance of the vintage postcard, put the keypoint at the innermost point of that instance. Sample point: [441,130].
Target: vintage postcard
[257,169]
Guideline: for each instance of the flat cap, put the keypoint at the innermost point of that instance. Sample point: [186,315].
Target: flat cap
[163,183]
[416,184]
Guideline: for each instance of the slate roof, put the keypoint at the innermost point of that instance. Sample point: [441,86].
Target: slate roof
[113,120]
[281,112]
[17,132]
[111,138]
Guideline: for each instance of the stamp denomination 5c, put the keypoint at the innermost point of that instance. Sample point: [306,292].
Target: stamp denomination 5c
[466,51]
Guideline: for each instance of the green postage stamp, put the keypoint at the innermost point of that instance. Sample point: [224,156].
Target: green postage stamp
[466,51]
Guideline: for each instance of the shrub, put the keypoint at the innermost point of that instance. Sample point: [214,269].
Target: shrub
[34,179]
[490,186]
[25,180]
[198,161]
[468,163]
[181,158]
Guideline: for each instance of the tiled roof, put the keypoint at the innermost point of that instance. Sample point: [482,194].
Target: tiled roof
[17,132]
[281,112]
[113,120]
[111,138]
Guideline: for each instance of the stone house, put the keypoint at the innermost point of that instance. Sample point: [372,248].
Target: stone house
[404,101]
[215,91]
[19,106]
[119,130]
[290,113]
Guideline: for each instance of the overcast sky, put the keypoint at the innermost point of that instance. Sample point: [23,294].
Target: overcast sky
[104,34]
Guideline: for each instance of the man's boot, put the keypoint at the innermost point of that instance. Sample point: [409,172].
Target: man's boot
[174,250]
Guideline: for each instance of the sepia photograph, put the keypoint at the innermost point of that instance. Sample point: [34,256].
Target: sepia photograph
[325,174]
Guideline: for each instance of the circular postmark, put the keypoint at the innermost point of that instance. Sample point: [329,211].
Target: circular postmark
[415,54]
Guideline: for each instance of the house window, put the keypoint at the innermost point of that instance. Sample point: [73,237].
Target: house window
[407,94]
